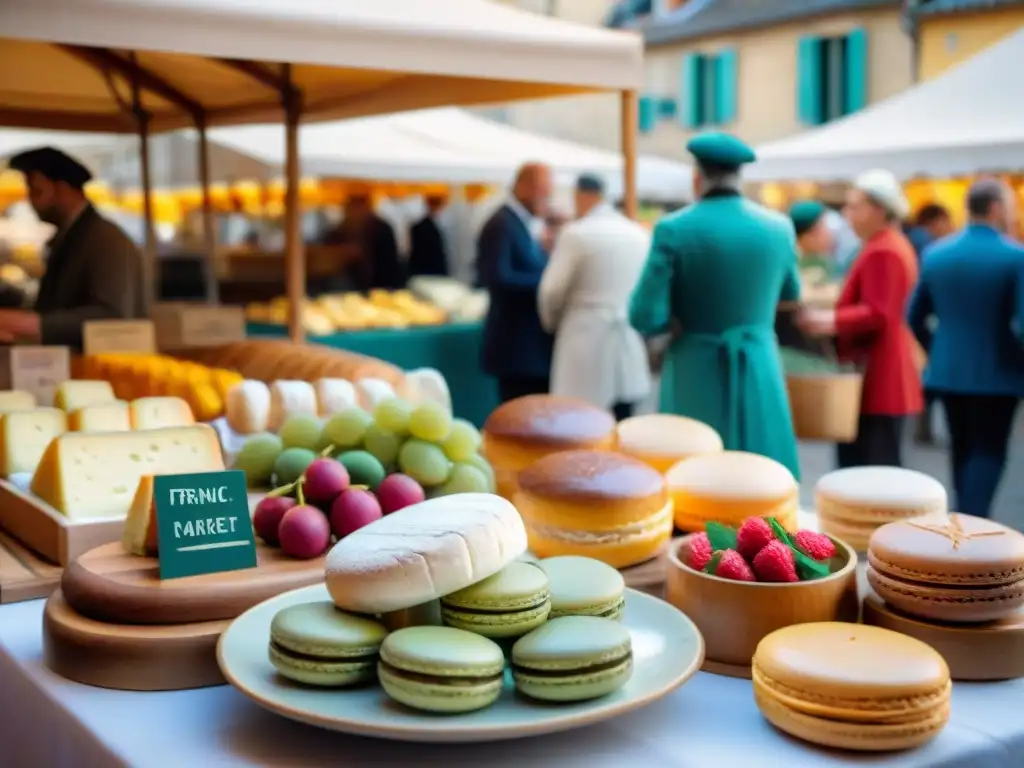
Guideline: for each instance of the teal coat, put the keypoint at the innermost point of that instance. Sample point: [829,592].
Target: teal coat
[718,269]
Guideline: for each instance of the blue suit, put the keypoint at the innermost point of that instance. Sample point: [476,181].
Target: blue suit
[516,349]
[972,284]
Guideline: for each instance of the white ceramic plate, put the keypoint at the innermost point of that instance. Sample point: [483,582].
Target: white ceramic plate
[667,650]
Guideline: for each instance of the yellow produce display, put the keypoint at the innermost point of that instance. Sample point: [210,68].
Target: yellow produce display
[144,376]
[335,312]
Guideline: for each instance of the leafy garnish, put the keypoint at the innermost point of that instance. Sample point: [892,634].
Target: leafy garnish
[720,536]
[712,565]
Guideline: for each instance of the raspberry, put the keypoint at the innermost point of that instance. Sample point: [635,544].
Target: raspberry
[775,563]
[733,566]
[752,536]
[815,545]
[698,552]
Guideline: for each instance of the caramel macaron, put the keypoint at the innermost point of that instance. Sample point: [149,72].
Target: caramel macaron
[521,431]
[661,440]
[852,503]
[598,504]
[851,686]
[729,487]
[965,569]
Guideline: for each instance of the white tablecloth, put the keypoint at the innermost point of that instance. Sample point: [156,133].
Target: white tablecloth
[49,722]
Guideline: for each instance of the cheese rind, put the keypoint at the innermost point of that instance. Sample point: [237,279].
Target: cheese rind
[105,417]
[160,413]
[248,407]
[72,395]
[141,536]
[96,475]
[16,400]
[24,436]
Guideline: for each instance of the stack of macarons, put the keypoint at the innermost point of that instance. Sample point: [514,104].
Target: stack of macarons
[526,429]
[852,503]
[729,487]
[851,686]
[457,559]
[662,440]
[599,504]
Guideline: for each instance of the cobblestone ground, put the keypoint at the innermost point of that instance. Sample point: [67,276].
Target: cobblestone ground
[817,458]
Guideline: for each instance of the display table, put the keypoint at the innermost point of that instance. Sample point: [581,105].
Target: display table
[49,722]
[453,349]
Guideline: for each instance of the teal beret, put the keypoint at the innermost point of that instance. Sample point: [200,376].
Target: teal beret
[720,149]
[805,214]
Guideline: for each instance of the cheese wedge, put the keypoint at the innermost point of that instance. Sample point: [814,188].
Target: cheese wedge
[160,412]
[106,417]
[24,436]
[290,398]
[334,396]
[95,475]
[72,395]
[16,400]
[140,529]
[248,407]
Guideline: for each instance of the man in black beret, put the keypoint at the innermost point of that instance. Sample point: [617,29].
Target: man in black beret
[93,270]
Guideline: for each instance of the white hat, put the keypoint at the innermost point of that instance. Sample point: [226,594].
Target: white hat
[886,190]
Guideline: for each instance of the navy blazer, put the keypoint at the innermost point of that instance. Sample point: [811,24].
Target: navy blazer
[972,283]
[427,254]
[509,266]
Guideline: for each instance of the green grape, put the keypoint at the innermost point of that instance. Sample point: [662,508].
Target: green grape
[393,415]
[257,458]
[463,441]
[347,428]
[431,422]
[465,478]
[424,463]
[301,432]
[478,461]
[383,445]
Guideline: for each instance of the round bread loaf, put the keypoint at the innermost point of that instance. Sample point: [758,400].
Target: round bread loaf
[423,552]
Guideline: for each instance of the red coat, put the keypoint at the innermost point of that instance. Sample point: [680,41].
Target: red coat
[872,329]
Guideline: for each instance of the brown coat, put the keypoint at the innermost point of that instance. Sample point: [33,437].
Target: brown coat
[93,272]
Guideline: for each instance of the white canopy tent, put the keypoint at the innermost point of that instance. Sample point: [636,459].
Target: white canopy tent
[967,121]
[155,65]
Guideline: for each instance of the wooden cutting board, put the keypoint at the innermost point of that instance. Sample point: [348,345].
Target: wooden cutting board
[108,584]
[23,574]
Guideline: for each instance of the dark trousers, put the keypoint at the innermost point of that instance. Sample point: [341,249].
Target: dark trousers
[979,433]
[511,387]
[877,444]
[622,411]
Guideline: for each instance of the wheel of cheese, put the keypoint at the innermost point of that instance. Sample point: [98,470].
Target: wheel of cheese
[334,395]
[372,392]
[248,407]
[290,398]
[426,385]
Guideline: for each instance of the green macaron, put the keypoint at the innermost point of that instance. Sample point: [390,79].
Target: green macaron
[316,644]
[582,586]
[573,658]
[441,669]
[510,603]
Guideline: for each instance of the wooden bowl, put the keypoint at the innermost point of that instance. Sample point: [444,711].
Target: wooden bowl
[733,616]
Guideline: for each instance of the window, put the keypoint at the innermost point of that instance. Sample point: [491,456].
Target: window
[652,109]
[831,76]
[709,89]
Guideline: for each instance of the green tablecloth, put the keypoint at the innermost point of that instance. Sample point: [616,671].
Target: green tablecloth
[454,350]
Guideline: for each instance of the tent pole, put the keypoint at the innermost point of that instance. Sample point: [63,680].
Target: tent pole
[629,105]
[210,270]
[149,266]
[294,257]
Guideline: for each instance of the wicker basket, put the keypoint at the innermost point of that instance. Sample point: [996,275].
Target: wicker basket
[825,406]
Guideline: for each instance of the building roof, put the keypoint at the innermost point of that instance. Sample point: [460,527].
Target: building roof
[936,7]
[701,18]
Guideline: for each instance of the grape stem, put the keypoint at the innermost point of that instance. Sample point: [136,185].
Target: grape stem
[330,449]
[284,490]
[298,490]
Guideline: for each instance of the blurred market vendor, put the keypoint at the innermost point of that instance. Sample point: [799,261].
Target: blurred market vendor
[428,254]
[869,323]
[814,236]
[377,264]
[719,268]
[93,269]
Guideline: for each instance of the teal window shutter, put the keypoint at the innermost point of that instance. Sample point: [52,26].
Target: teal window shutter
[648,109]
[691,97]
[856,71]
[726,74]
[809,85]
[667,108]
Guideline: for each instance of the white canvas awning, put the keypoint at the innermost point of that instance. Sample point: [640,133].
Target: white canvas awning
[67,65]
[967,121]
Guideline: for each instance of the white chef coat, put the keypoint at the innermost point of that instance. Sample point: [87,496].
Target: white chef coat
[584,300]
